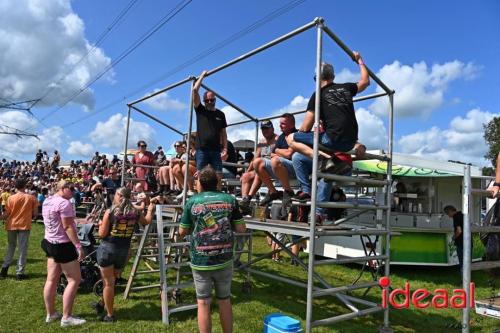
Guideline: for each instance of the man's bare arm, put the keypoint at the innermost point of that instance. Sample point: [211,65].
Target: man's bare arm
[196,88]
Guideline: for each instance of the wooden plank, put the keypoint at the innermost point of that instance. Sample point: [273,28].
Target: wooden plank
[482,265]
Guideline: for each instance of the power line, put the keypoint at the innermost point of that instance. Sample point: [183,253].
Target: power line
[257,24]
[164,20]
[5,129]
[98,42]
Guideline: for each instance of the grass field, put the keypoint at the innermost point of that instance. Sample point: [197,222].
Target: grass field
[22,308]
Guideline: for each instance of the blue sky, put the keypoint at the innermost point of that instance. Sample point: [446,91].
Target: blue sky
[440,57]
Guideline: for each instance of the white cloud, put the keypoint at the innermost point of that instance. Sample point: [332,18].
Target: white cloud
[41,41]
[346,75]
[420,89]
[298,103]
[238,132]
[77,148]
[111,133]
[463,140]
[15,147]
[164,102]
[372,132]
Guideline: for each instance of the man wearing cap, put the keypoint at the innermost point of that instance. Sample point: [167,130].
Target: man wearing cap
[211,141]
[20,210]
[341,129]
[280,165]
[250,182]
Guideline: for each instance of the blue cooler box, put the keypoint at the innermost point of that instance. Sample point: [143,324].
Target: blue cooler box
[279,323]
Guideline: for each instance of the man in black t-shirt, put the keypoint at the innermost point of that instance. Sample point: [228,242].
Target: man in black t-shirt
[340,125]
[38,157]
[211,141]
[458,235]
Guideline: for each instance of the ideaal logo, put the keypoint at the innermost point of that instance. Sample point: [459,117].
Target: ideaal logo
[440,297]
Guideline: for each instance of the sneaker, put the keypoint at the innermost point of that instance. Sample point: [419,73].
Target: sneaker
[54,317]
[245,202]
[180,195]
[20,277]
[245,206]
[3,272]
[190,193]
[72,321]
[302,197]
[98,307]
[108,319]
[270,197]
[337,168]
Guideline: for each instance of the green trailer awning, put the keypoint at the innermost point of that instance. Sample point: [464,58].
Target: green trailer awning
[400,170]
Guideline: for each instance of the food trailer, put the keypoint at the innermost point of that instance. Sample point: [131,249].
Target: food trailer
[421,189]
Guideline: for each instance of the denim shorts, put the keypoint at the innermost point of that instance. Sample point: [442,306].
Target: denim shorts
[109,254]
[286,163]
[220,278]
[307,138]
[205,157]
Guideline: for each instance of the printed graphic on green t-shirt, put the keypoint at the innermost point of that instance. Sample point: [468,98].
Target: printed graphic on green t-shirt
[211,216]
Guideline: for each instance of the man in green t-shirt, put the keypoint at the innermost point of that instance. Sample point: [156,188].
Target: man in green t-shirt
[210,218]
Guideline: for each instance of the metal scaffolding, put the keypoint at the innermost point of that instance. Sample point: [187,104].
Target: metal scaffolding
[469,228]
[311,231]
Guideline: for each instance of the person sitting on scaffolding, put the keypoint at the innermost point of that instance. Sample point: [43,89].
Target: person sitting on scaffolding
[211,141]
[279,166]
[341,129]
[250,182]
[179,171]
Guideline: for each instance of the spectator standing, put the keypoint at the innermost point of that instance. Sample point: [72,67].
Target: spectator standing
[210,218]
[143,157]
[116,232]
[211,141]
[63,250]
[38,157]
[20,210]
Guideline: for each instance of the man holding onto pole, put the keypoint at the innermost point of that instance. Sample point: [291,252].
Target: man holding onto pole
[210,218]
[341,130]
[211,141]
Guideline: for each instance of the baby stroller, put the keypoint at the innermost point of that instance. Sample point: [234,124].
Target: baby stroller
[91,276]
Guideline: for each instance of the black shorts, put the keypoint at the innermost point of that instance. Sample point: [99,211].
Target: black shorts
[61,253]
[109,254]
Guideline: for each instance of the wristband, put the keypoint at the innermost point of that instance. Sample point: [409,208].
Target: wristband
[496,184]
[78,246]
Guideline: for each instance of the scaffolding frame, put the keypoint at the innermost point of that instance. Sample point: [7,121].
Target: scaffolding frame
[467,202]
[313,230]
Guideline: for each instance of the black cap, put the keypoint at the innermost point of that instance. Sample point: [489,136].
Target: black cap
[266,124]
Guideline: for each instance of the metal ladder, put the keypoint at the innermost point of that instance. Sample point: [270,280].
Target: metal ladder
[174,257]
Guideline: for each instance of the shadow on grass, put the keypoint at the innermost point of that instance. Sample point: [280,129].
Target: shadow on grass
[283,297]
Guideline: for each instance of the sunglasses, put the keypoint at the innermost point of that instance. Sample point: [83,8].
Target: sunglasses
[143,146]
[209,100]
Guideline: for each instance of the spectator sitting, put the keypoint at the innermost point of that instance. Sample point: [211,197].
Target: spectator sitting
[280,165]
[250,182]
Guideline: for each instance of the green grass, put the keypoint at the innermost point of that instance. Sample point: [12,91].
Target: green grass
[22,308]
